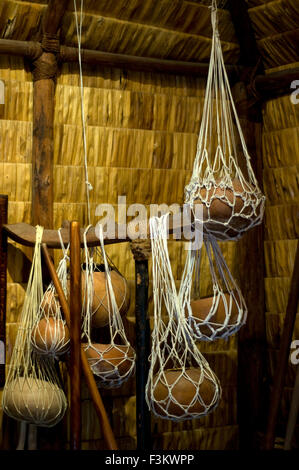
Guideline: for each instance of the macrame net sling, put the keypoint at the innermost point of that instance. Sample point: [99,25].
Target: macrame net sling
[223,180]
[32,391]
[113,363]
[50,335]
[223,313]
[181,384]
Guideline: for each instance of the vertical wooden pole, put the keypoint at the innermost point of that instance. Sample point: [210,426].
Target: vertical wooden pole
[3,280]
[141,251]
[284,351]
[252,341]
[75,335]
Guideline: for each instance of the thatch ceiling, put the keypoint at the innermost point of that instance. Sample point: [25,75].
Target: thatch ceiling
[168,29]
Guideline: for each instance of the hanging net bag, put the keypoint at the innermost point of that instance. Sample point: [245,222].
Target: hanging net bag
[50,334]
[223,179]
[221,314]
[32,391]
[181,384]
[113,363]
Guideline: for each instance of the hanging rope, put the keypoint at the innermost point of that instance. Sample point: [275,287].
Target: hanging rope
[88,185]
[105,296]
[181,384]
[32,391]
[227,188]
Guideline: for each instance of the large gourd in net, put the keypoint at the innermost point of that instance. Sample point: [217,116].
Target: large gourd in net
[32,391]
[181,384]
[221,314]
[112,363]
[223,179]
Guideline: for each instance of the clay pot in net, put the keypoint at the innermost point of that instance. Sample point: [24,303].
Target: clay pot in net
[34,400]
[177,391]
[201,308]
[224,204]
[50,336]
[109,360]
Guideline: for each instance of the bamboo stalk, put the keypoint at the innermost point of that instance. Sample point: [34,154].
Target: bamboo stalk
[94,392]
[75,335]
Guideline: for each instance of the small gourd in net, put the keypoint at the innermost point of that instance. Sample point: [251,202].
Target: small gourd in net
[32,391]
[219,315]
[181,385]
[223,180]
[50,334]
[112,363]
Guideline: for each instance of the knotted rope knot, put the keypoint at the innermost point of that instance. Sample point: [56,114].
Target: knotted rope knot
[89,186]
[45,67]
[50,43]
[141,249]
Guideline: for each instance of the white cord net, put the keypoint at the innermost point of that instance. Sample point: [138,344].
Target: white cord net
[50,334]
[106,296]
[223,179]
[181,384]
[32,391]
[221,314]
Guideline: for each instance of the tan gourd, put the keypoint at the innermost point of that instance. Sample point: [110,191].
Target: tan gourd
[100,302]
[220,211]
[50,335]
[109,358]
[183,392]
[36,401]
[201,308]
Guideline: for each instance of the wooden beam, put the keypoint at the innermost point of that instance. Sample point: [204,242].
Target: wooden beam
[284,351]
[249,53]
[75,336]
[275,84]
[27,49]
[44,76]
[252,342]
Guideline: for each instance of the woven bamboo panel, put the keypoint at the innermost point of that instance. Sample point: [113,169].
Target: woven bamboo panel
[178,15]
[125,37]
[274,17]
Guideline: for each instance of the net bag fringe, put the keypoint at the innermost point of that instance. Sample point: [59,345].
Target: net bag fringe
[32,391]
[181,384]
[50,335]
[113,363]
[223,313]
[223,179]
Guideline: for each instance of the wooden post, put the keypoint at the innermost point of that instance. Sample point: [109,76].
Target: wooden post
[284,351]
[252,342]
[3,280]
[94,392]
[75,335]
[44,76]
[141,252]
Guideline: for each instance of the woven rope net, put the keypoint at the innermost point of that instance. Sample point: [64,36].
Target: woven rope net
[223,313]
[32,391]
[181,384]
[50,335]
[112,363]
[223,179]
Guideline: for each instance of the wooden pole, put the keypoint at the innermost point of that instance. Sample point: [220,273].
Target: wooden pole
[141,250]
[3,286]
[284,351]
[293,414]
[252,378]
[94,392]
[75,335]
